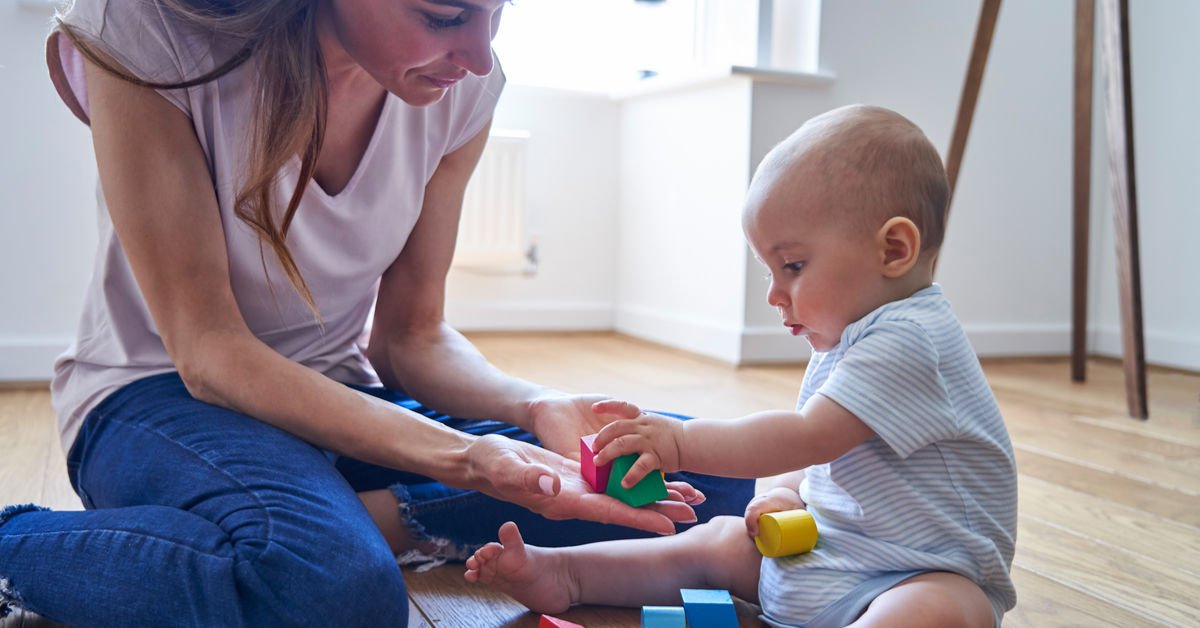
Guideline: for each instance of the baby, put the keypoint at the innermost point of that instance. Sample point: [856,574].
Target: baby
[897,449]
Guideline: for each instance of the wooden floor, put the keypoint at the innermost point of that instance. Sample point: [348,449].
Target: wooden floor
[1109,506]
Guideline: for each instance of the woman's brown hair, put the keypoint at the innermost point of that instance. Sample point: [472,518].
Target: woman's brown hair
[290,112]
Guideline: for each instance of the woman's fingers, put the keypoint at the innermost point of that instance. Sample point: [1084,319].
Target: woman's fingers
[623,409]
[677,512]
[686,493]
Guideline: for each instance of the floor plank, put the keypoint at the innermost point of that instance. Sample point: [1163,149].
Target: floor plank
[1157,591]
[1113,525]
[1152,499]
[1044,602]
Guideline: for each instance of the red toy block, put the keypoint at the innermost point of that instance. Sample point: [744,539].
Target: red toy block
[553,622]
[596,478]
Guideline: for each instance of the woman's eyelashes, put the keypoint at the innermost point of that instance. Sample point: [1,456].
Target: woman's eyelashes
[794,267]
[438,22]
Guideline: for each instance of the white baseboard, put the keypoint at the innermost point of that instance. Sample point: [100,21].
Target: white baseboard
[32,360]
[774,344]
[694,335]
[529,316]
[1173,350]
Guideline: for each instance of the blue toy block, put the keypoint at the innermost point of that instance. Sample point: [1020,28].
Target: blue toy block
[709,608]
[663,617]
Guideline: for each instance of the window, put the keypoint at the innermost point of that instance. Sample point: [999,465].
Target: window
[600,45]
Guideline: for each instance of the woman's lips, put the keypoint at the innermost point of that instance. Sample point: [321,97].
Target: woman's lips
[440,82]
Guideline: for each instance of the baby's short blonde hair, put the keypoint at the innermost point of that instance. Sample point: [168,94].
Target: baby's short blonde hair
[873,164]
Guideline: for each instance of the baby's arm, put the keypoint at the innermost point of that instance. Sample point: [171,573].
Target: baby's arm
[757,445]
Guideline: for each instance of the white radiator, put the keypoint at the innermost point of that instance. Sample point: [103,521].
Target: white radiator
[493,235]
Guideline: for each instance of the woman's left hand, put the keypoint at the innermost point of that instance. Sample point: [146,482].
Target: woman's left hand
[553,487]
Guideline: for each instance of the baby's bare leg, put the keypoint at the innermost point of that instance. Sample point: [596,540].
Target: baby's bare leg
[930,600]
[634,572]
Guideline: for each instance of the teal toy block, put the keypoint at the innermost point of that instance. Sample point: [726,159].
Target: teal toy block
[649,490]
[663,617]
[709,608]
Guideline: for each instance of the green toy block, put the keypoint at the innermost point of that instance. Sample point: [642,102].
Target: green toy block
[651,489]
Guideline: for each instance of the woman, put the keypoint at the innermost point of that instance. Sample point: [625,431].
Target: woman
[244,461]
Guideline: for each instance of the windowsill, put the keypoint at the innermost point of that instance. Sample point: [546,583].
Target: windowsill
[695,80]
[668,84]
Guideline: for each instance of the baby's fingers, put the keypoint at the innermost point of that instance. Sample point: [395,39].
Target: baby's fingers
[755,509]
[643,466]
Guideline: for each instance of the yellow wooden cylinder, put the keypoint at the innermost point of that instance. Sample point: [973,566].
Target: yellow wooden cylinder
[786,533]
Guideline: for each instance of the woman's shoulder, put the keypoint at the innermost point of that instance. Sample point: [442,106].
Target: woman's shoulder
[147,37]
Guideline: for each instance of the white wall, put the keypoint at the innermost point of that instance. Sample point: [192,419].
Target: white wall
[47,203]
[572,191]
[680,261]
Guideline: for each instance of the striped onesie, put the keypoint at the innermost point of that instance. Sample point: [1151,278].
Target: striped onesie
[934,490]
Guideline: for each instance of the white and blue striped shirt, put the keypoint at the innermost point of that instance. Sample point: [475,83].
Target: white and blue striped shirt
[934,489]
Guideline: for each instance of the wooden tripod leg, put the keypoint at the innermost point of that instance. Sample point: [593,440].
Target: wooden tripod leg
[1085,24]
[1119,115]
[970,92]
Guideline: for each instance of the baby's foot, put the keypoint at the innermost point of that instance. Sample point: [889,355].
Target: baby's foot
[534,576]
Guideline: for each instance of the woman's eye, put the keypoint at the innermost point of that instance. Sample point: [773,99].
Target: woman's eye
[437,23]
[794,267]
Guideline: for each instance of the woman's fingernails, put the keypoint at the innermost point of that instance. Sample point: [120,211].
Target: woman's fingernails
[692,520]
[546,483]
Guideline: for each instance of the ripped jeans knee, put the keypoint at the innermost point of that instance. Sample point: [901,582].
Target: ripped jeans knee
[10,599]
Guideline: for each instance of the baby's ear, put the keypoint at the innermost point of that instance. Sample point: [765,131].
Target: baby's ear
[899,242]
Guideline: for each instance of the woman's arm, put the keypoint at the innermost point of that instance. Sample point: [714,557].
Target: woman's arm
[412,347]
[160,197]
[165,214]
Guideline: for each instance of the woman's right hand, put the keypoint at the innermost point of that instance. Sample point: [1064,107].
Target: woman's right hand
[552,486]
[778,499]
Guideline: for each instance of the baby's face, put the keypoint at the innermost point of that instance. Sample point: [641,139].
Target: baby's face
[823,274]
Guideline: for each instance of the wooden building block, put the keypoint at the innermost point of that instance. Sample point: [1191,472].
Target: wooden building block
[786,533]
[596,478]
[663,617]
[709,608]
[547,621]
[649,490]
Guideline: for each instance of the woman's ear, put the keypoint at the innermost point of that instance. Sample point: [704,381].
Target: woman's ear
[899,242]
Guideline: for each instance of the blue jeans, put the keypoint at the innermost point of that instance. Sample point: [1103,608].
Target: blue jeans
[198,515]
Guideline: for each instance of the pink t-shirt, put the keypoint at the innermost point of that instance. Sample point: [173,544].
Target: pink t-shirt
[342,243]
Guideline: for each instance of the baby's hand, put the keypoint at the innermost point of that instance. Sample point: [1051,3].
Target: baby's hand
[653,436]
[778,499]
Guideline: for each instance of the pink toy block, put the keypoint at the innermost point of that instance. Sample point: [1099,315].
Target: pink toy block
[553,622]
[596,478]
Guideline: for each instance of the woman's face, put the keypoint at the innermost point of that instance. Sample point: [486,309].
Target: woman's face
[415,49]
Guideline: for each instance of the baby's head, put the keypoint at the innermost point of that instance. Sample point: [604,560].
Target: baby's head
[847,213]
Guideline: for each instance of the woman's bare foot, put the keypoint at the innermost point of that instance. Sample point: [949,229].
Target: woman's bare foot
[534,576]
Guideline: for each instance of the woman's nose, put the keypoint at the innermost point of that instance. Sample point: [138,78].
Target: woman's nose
[474,50]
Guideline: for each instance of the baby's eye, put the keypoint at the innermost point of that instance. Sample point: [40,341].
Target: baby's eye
[794,267]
